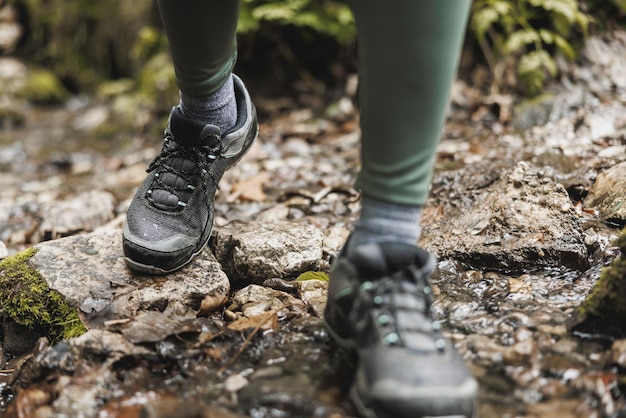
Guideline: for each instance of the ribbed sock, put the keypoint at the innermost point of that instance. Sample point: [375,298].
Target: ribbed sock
[220,108]
[385,222]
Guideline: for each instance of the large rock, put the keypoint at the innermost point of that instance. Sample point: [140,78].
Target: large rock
[609,194]
[82,213]
[254,252]
[89,270]
[520,220]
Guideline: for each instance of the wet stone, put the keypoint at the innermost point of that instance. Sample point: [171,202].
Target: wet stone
[178,408]
[524,220]
[521,353]
[618,353]
[608,194]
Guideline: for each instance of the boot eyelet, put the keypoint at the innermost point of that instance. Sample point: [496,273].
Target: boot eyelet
[391,339]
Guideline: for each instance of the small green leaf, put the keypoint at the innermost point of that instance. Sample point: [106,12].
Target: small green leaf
[520,39]
[313,275]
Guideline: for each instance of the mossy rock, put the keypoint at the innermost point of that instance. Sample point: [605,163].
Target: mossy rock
[604,309]
[43,87]
[26,299]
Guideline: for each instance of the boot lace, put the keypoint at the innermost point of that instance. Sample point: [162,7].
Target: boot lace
[166,163]
[401,305]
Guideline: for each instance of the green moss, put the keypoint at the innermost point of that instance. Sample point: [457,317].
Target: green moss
[26,298]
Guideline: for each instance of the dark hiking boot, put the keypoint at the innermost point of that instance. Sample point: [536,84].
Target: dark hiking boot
[170,218]
[379,304]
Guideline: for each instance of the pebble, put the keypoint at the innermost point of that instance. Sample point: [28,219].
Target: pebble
[4,252]
[618,353]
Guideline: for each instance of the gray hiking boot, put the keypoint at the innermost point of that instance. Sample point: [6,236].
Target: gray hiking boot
[379,304]
[170,218]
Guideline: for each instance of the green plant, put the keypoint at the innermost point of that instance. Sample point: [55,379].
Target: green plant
[530,31]
[327,17]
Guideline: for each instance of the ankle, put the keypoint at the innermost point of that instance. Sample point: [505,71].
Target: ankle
[382,221]
[219,108]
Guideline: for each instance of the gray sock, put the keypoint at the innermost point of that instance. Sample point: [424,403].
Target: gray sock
[220,108]
[385,222]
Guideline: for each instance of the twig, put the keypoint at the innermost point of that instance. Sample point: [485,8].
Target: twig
[245,343]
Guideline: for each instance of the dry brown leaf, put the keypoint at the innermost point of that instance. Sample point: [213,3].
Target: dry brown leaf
[266,320]
[252,188]
[210,303]
[29,400]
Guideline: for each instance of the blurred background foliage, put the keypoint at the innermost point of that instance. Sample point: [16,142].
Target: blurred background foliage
[118,47]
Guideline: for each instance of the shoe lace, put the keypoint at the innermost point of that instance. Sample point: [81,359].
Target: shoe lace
[404,295]
[202,158]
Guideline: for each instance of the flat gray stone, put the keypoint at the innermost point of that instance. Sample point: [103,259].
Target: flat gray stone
[82,213]
[253,252]
[89,270]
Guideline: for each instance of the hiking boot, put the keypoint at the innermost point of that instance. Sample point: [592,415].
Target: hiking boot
[379,304]
[170,219]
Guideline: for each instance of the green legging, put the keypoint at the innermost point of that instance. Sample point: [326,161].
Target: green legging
[408,54]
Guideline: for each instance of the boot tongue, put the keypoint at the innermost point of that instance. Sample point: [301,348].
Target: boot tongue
[192,133]
[377,260]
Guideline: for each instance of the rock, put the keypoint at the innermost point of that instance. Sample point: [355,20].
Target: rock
[522,220]
[607,56]
[3,250]
[603,309]
[91,119]
[254,300]
[89,270]
[18,339]
[618,353]
[254,252]
[84,212]
[12,81]
[177,408]
[82,396]
[10,30]
[314,294]
[12,75]
[520,354]
[533,112]
[155,326]
[334,238]
[608,195]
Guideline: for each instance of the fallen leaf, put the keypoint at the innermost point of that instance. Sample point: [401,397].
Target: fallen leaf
[313,275]
[266,320]
[211,303]
[251,189]
[29,400]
